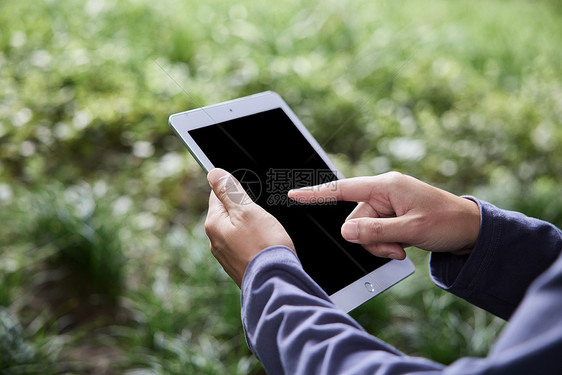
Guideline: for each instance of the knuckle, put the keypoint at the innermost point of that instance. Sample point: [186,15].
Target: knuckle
[210,227]
[417,225]
[242,214]
[370,231]
[222,191]
[214,251]
[341,190]
[374,227]
[395,178]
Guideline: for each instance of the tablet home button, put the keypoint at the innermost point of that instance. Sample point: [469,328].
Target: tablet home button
[370,287]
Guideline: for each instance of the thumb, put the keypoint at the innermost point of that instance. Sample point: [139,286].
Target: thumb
[227,189]
[367,231]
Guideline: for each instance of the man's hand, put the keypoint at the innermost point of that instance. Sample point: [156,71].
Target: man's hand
[237,227]
[397,211]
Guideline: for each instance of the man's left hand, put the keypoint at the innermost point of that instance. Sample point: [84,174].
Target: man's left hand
[237,227]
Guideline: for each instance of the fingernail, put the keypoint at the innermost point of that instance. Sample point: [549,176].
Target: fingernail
[215,175]
[299,189]
[350,231]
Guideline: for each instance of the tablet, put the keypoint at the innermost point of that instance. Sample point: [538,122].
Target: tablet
[264,145]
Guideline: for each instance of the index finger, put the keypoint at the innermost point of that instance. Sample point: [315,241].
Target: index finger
[356,189]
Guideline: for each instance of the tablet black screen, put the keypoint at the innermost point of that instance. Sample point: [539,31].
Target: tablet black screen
[269,156]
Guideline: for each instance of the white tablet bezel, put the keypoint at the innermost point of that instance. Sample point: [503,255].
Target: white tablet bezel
[355,293]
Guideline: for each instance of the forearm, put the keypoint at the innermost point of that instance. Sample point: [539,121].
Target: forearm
[512,250]
[293,328]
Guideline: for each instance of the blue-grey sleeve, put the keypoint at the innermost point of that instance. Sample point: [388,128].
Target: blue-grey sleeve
[512,250]
[293,328]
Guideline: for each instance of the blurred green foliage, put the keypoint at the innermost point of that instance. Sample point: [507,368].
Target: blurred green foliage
[103,255]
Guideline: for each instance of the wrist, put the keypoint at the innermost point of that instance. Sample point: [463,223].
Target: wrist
[268,256]
[471,219]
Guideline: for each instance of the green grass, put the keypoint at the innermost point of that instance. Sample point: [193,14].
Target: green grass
[103,254]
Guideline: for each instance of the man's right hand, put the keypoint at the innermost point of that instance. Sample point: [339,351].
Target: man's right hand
[396,211]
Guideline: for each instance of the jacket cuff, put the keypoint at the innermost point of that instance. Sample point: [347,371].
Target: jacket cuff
[272,255]
[463,275]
